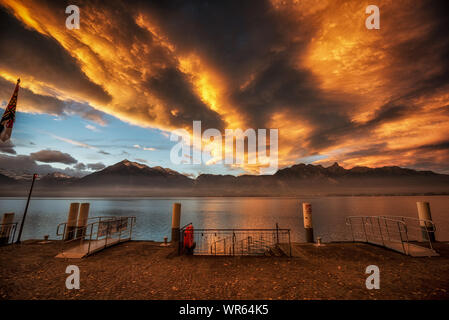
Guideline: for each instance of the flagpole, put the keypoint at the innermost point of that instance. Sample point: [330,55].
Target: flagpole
[26,208]
[7,120]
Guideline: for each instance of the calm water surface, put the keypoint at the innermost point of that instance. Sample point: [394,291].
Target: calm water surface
[154,214]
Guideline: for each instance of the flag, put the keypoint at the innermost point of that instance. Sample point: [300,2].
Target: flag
[9,115]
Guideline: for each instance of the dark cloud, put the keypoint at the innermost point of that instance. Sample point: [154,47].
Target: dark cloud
[443,145]
[251,38]
[243,39]
[31,101]
[96,166]
[7,147]
[26,52]
[156,69]
[423,60]
[27,98]
[238,36]
[282,88]
[53,156]
[80,166]
[382,148]
[260,54]
[250,41]
[85,111]
[372,150]
[186,104]
[344,128]
[389,113]
[22,166]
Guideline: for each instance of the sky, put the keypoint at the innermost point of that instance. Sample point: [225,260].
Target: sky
[134,71]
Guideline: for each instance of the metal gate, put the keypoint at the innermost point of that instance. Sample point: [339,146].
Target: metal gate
[235,242]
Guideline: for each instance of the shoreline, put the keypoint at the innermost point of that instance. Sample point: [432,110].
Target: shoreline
[228,196]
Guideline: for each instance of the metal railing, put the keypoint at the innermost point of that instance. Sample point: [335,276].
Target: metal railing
[7,232]
[99,233]
[232,242]
[394,232]
[419,230]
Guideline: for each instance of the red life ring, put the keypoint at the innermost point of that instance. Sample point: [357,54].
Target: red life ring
[188,237]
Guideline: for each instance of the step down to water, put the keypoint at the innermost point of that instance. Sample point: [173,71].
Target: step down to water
[285,249]
[274,251]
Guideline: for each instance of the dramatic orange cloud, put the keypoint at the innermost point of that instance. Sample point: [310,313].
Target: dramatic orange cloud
[335,90]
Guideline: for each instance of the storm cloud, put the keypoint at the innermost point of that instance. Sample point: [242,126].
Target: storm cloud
[53,156]
[334,89]
[26,52]
[23,166]
[7,147]
[33,102]
[96,166]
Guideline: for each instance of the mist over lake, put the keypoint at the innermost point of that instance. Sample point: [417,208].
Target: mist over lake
[154,214]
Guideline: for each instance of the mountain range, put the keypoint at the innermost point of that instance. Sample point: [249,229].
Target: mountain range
[127,178]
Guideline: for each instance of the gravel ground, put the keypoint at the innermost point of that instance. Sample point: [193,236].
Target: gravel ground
[145,270]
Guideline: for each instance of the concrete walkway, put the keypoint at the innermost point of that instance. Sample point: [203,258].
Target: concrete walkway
[83,249]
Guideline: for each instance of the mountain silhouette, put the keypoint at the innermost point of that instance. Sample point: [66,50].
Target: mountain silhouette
[129,173]
[128,178]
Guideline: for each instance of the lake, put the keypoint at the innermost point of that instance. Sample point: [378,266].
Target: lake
[154,214]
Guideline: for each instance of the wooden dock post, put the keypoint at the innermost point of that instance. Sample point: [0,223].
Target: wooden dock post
[307,215]
[175,223]
[424,214]
[5,232]
[82,220]
[71,221]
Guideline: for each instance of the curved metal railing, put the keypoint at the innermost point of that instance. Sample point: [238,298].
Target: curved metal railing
[394,232]
[99,234]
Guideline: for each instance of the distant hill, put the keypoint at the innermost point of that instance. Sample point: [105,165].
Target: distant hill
[4,180]
[303,171]
[128,173]
[56,178]
[312,179]
[127,178]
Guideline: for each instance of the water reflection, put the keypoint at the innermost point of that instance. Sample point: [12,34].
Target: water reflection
[154,214]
